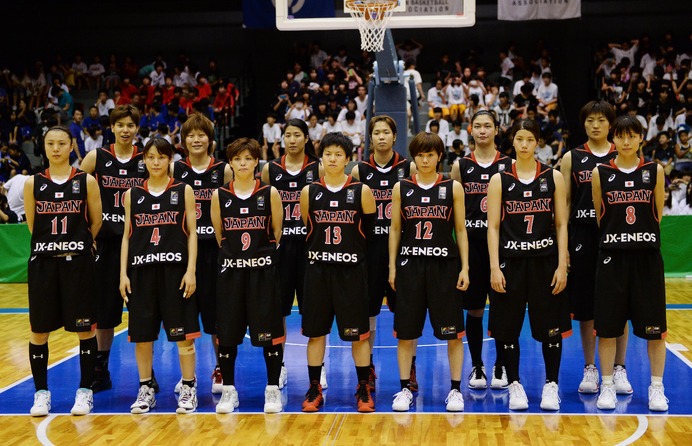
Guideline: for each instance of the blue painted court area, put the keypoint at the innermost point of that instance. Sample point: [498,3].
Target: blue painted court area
[433,377]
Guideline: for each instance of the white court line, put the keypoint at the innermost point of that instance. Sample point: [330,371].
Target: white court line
[41,429]
[73,352]
[380,412]
[675,349]
[641,430]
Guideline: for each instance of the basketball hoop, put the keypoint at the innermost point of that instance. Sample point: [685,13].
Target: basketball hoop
[372,17]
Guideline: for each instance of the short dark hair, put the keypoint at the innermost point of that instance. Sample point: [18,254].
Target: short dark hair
[382,118]
[240,144]
[197,121]
[337,139]
[597,107]
[425,142]
[124,111]
[161,145]
[627,124]
[530,125]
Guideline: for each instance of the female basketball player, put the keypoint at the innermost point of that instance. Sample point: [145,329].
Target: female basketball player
[577,165]
[117,168]
[628,195]
[204,174]
[157,272]
[380,172]
[527,247]
[427,266]
[289,174]
[338,213]
[63,214]
[474,172]
[247,216]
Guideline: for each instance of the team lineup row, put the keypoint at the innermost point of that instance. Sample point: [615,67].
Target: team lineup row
[339,243]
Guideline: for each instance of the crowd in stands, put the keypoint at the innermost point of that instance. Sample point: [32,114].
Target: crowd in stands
[330,92]
[650,79]
[166,94]
[82,96]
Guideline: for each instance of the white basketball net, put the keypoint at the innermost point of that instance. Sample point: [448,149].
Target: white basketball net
[372,17]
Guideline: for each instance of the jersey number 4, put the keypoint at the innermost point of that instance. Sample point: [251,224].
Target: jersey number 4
[155,237]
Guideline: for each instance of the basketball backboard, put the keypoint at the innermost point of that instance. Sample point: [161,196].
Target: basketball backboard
[408,14]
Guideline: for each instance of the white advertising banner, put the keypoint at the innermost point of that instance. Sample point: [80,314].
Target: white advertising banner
[538,9]
[433,7]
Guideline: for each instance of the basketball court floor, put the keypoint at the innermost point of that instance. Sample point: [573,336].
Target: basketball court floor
[486,412]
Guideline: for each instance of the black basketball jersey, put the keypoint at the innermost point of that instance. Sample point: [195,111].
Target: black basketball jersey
[335,232]
[629,218]
[61,223]
[381,180]
[583,163]
[203,184]
[289,187]
[475,179]
[158,232]
[527,228]
[115,178]
[247,240]
[427,219]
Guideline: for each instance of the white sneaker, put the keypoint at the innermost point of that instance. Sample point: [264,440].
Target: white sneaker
[477,378]
[622,384]
[454,401]
[550,400]
[179,386]
[402,401]
[145,400]
[607,399]
[589,383]
[657,399]
[83,402]
[323,378]
[187,402]
[272,400]
[517,397]
[229,400]
[41,405]
[283,377]
[499,383]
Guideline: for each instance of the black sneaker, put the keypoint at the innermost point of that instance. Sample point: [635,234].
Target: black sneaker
[102,381]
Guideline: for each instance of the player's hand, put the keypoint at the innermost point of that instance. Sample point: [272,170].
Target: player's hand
[497,280]
[125,288]
[188,284]
[392,278]
[559,280]
[463,280]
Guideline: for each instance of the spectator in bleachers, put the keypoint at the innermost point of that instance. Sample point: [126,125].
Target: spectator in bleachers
[456,134]
[440,121]
[94,139]
[436,99]
[95,73]
[350,106]
[502,111]
[80,70]
[525,99]
[271,138]
[683,152]
[331,125]
[664,153]
[298,110]
[112,75]
[547,94]
[104,104]
[316,132]
[410,49]
[455,94]
[78,135]
[355,131]
[6,214]
[14,189]
[628,48]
